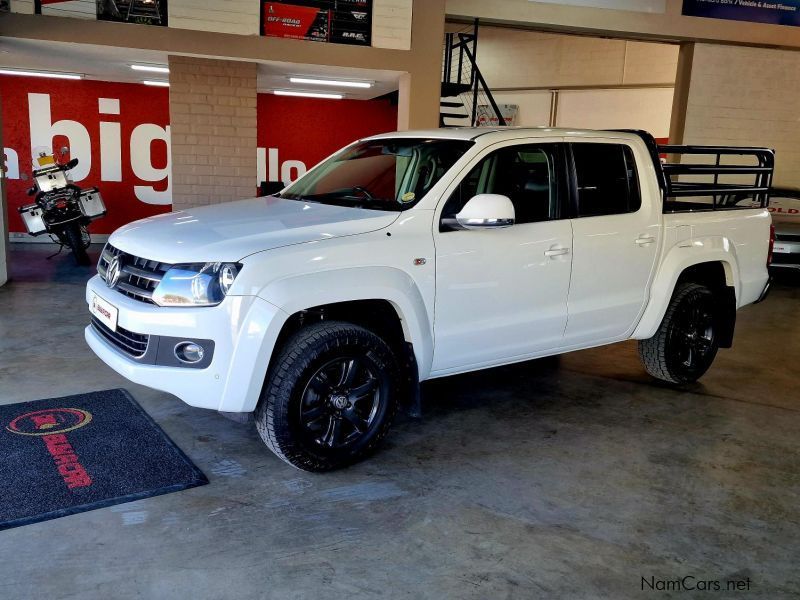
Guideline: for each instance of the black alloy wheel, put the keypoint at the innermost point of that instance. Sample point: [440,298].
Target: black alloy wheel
[686,343]
[330,396]
[340,402]
[692,337]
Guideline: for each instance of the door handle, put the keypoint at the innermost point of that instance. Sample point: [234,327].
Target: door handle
[645,239]
[556,252]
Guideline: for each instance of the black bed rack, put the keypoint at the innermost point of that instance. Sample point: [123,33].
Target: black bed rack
[724,196]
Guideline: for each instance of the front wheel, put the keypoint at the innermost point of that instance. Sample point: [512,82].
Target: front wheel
[686,342]
[330,397]
[75,236]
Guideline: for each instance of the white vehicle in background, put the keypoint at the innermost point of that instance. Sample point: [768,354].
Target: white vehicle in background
[415,255]
[784,205]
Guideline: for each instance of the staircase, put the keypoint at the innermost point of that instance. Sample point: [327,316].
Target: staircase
[464,89]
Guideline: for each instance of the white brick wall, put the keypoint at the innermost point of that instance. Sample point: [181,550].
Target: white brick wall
[212,105]
[22,6]
[511,58]
[391,24]
[747,97]
[225,16]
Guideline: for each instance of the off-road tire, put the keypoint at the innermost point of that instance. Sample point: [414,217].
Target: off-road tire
[277,416]
[659,353]
[75,240]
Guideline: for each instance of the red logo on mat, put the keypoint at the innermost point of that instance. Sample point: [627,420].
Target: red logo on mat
[51,424]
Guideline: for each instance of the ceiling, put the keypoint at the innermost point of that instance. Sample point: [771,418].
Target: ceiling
[106,63]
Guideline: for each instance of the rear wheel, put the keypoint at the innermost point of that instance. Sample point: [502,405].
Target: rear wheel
[686,343]
[330,397]
[75,236]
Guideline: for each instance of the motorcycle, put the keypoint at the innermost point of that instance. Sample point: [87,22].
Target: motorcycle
[61,209]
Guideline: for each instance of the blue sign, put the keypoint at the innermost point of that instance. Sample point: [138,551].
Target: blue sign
[784,12]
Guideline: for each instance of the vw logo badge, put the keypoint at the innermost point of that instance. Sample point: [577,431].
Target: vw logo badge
[112,273]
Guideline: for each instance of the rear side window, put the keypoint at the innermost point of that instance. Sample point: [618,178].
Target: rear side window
[606,178]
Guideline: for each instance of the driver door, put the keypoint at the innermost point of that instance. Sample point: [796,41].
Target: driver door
[501,294]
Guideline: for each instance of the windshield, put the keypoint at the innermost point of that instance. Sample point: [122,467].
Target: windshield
[388,174]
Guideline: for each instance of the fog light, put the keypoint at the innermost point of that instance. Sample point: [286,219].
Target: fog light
[189,352]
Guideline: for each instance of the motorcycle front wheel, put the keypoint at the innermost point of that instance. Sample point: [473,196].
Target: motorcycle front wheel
[76,239]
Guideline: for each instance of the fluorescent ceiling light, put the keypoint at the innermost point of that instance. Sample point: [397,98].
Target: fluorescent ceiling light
[150,68]
[332,82]
[157,83]
[308,94]
[40,74]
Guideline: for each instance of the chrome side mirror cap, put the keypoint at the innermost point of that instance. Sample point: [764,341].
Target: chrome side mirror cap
[487,211]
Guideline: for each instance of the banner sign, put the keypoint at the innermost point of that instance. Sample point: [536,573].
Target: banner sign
[785,12]
[144,12]
[486,117]
[120,133]
[337,21]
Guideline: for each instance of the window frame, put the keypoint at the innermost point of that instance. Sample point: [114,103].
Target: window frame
[574,193]
[561,179]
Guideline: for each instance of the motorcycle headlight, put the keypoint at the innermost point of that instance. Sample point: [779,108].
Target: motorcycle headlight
[201,284]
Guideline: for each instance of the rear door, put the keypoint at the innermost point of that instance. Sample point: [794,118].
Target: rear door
[616,237]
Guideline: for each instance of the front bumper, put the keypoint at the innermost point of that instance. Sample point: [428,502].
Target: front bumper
[243,328]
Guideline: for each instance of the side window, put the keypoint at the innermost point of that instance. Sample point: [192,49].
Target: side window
[527,174]
[607,180]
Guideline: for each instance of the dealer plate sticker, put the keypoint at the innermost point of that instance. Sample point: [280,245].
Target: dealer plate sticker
[103,311]
[780,249]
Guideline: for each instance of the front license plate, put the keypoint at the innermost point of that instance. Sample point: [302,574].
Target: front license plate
[104,311]
[780,249]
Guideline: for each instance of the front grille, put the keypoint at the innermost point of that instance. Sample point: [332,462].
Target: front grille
[132,344]
[138,276]
[787,237]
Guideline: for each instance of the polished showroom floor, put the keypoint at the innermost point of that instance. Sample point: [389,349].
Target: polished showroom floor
[573,477]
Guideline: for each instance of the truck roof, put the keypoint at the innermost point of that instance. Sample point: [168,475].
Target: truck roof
[501,133]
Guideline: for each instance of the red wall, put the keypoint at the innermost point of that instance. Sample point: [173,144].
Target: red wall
[78,101]
[299,132]
[310,129]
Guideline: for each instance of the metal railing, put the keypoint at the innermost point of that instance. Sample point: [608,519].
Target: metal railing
[460,73]
[681,177]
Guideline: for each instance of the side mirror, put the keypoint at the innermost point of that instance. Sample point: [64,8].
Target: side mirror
[487,211]
[72,164]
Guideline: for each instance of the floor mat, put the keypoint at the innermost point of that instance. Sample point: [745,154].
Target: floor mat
[62,456]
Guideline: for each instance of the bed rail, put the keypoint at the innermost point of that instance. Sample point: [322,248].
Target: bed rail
[707,185]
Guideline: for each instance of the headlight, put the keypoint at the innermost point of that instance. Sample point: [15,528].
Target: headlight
[201,284]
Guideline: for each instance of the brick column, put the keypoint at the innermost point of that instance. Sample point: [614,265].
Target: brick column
[212,105]
[743,96]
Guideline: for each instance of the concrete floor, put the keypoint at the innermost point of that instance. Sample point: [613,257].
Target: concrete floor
[573,477]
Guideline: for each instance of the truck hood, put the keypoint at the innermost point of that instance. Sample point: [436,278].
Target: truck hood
[228,232]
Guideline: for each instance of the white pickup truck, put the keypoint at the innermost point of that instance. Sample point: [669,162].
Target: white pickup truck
[415,255]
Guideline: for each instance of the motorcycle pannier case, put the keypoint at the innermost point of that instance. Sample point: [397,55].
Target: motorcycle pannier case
[32,217]
[91,203]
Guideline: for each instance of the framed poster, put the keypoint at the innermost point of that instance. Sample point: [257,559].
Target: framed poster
[336,21]
[144,12]
[785,12]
